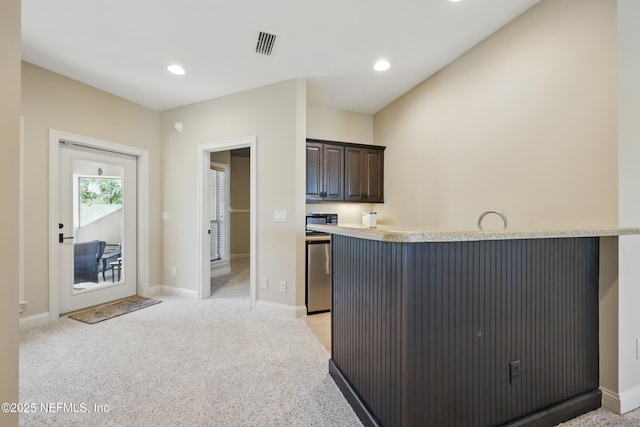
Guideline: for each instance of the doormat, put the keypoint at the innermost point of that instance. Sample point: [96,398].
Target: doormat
[112,309]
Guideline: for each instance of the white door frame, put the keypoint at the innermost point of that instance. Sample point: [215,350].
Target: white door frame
[204,160]
[55,136]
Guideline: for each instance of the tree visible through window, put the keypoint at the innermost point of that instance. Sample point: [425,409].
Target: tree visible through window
[99,197]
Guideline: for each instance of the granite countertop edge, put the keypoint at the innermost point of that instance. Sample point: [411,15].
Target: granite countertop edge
[391,233]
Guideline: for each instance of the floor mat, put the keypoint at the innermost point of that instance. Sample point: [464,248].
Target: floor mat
[112,309]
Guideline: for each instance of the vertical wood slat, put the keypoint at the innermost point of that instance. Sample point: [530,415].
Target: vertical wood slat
[367,341]
[424,332]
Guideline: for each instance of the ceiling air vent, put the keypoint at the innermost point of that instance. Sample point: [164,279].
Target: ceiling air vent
[266,43]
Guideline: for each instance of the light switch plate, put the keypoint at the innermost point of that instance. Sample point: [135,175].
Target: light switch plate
[280,216]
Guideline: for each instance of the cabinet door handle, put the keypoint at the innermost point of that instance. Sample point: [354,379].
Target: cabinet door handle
[61,238]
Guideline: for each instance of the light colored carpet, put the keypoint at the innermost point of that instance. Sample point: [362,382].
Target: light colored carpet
[194,363]
[234,284]
[604,418]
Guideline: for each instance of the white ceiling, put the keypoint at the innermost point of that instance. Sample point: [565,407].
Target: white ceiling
[124,46]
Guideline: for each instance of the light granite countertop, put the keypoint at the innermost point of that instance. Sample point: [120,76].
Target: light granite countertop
[394,233]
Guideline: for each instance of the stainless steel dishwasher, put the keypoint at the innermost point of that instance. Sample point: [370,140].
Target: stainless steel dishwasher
[318,261]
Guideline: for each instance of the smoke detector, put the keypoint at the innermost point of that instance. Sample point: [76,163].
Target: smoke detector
[266,43]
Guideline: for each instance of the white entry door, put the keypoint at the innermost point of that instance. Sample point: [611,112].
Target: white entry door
[97,227]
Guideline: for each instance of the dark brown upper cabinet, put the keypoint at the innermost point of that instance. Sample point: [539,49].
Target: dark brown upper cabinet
[364,174]
[344,172]
[325,172]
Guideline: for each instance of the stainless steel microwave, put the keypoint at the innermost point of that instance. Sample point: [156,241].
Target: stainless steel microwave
[320,218]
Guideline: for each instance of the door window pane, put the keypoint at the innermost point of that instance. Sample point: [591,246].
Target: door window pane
[98,215]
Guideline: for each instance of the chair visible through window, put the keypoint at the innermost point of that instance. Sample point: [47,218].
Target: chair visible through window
[86,258]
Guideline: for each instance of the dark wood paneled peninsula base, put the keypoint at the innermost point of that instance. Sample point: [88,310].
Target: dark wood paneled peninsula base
[466,333]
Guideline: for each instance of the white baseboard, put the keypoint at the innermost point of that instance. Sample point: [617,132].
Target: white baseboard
[220,271]
[621,403]
[240,256]
[629,400]
[173,290]
[220,268]
[34,321]
[282,310]
[610,400]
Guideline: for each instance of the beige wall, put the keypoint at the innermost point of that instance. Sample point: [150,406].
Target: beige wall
[223,157]
[344,126]
[51,101]
[9,213]
[524,123]
[337,125]
[240,186]
[272,114]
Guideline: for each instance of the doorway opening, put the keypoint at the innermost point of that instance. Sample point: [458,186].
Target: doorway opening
[229,212]
[227,220]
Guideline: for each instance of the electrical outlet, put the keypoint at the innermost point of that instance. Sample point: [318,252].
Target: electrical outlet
[174,271]
[514,372]
[283,286]
[263,283]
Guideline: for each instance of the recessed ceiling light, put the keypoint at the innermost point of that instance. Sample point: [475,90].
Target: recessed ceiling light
[381,65]
[176,69]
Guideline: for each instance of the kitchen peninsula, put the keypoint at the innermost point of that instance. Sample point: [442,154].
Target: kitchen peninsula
[466,328]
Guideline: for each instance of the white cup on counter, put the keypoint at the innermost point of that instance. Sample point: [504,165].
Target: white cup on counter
[369,219]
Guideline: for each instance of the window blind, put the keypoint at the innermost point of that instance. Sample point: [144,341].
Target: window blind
[217,212]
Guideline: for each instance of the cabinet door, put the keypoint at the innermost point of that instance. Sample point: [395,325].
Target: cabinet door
[364,175]
[333,172]
[315,176]
[373,175]
[353,174]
